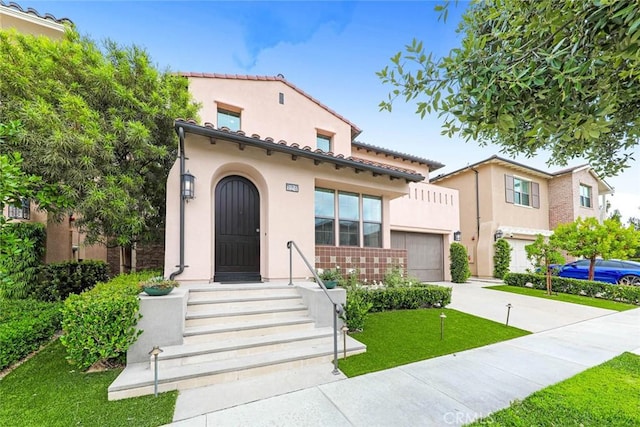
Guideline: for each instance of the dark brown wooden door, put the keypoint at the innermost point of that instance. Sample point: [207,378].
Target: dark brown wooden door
[237,210]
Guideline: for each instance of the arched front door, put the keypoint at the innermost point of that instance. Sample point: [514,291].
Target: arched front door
[237,231]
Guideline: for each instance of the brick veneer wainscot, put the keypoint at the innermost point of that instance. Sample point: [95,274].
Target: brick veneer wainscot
[372,262]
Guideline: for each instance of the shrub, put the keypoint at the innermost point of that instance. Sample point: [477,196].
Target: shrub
[100,324]
[629,294]
[459,263]
[19,269]
[501,258]
[403,297]
[356,309]
[58,280]
[24,326]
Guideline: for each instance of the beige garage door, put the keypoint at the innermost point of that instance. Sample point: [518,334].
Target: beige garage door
[425,256]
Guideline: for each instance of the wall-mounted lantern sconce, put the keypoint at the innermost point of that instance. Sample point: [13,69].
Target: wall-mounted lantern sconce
[188,186]
[457,236]
[499,234]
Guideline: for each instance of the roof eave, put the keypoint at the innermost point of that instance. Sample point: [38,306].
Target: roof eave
[256,142]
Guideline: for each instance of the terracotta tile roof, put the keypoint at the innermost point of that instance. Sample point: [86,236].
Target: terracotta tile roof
[317,155]
[433,165]
[34,12]
[355,130]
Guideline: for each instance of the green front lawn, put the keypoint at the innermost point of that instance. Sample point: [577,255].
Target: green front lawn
[575,299]
[395,338]
[605,395]
[47,391]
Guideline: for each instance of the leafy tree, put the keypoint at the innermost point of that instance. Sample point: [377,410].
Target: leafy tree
[590,239]
[533,75]
[501,258]
[542,253]
[98,123]
[459,263]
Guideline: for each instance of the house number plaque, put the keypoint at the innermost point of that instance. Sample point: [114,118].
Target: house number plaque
[292,187]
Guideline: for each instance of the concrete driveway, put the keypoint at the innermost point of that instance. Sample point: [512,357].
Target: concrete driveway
[528,313]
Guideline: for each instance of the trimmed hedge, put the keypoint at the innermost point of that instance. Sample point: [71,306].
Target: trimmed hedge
[24,326]
[100,324]
[628,294]
[21,267]
[501,258]
[58,280]
[404,297]
[459,263]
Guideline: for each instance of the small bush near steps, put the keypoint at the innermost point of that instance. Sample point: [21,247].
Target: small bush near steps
[99,325]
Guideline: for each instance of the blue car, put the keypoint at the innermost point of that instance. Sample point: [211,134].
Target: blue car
[606,270]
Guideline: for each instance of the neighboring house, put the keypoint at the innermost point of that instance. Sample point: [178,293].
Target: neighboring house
[273,164]
[29,21]
[64,242]
[501,197]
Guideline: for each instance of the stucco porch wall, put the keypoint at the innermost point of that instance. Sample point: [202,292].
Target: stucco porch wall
[426,208]
[373,263]
[284,215]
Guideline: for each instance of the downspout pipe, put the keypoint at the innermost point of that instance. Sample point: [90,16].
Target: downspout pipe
[181,154]
[477,204]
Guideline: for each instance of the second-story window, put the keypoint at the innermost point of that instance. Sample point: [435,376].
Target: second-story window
[21,210]
[585,196]
[228,119]
[522,192]
[323,142]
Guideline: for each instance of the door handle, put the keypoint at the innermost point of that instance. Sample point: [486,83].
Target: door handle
[257,230]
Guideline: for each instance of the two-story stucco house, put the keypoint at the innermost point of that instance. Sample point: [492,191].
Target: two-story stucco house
[503,198]
[273,164]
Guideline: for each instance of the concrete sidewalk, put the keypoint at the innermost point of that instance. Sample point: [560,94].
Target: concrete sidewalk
[457,388]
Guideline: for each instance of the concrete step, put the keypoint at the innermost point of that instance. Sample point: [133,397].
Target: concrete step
[138,379]
[241,314]
[240,347]
[209,333]
[223,303]
[240,291]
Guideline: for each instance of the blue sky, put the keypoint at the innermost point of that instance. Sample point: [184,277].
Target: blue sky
[329,49]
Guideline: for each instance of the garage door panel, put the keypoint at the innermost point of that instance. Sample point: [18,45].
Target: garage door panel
[519,262]
[425,256]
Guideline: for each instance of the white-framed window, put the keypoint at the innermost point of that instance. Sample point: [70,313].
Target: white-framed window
[20,211]
[585,196]
[229,119]
[358,218]
[323,142]
[523,192]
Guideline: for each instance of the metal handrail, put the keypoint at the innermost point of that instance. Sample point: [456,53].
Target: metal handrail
[338,309]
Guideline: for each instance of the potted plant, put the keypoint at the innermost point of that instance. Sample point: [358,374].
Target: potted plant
[330,276]
[158,285]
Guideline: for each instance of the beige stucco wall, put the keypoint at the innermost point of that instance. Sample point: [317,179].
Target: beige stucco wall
[27,23]
[298,120]
[284,215]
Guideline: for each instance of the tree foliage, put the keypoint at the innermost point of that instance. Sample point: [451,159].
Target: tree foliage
[590,239]
[560,75]
[542,253]
[98,122]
